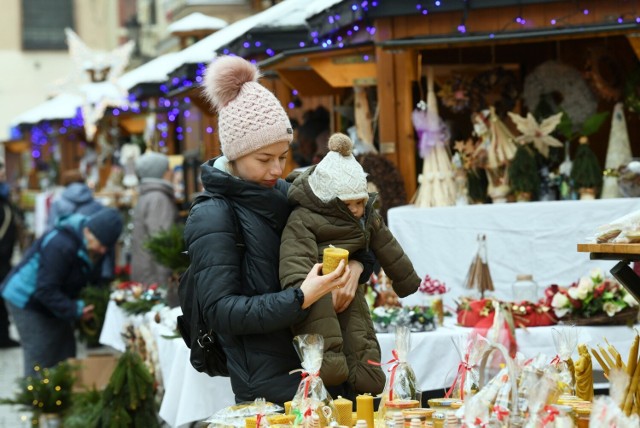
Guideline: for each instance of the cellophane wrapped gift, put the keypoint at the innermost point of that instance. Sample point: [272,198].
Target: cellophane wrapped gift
[531,371]
[543,392]
[478,409]
[311,397]
[607,411]
[566,341]
[471,349]
[235,416]
[401,389]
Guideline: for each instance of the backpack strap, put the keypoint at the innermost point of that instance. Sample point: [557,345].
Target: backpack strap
[234,216]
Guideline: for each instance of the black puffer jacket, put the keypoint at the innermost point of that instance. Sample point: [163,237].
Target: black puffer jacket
[240,293]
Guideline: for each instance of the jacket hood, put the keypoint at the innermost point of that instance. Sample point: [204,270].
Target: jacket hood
[78,193]
[73,223]
[269,203]
[301,194]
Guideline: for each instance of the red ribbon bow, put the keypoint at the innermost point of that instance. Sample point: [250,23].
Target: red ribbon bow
[258,420]
[395,361]
[478,422]
[307,378]
[463,368]
[551,414]
[556,360]
[500,412]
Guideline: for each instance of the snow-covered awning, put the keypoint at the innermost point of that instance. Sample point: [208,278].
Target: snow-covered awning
[317,6]
[197,22]
[60,107]
[155,71]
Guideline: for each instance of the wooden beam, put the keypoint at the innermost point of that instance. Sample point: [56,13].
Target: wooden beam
[345,71]
[307,82]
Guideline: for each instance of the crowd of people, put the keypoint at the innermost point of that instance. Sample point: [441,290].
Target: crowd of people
[256,292]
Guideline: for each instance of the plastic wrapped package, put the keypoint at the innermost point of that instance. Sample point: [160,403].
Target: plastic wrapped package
[401,389]
[620,230]
[235,416]
[470,348]
[311,397]
[566,341]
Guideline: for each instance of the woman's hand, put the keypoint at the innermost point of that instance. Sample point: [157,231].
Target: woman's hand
[342,297]
[316,285]
[87,312]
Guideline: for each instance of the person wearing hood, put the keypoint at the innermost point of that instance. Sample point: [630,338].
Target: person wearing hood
[332,207]
[76,197]
[156,210]
[237,284]
[42,291]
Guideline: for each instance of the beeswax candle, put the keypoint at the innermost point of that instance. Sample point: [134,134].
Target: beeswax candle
[364,409]
[331,257]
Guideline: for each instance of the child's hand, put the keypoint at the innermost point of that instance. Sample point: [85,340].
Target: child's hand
[343,297]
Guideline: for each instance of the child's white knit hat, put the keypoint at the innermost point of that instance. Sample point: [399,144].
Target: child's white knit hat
[339,175]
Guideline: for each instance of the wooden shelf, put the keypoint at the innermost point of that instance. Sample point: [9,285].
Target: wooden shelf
[622,249]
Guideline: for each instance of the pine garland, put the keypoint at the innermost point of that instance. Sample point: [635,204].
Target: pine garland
[167,247]
[128,400]
[523,172]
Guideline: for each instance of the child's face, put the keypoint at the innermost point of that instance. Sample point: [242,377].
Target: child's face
[356,206]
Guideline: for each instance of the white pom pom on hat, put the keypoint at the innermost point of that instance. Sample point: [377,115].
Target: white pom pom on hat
[339,174]
[250,117]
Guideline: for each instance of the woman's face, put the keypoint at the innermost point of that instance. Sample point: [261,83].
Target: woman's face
[263,166]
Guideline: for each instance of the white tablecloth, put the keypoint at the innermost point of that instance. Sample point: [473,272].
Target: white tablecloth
[192,396]
[538,238]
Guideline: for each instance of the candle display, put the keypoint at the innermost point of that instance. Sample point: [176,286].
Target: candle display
[364,409]
[344,408]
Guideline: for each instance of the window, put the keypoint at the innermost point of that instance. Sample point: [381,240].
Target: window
[43,24]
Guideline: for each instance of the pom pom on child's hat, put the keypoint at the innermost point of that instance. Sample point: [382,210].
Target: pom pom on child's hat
[339,175]
[250,117]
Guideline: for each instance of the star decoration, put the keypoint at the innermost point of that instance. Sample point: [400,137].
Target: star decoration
[537,133]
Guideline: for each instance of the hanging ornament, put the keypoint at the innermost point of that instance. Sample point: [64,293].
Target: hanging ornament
[454,93]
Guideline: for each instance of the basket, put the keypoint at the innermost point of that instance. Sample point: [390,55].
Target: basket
[515,419]
[627,316]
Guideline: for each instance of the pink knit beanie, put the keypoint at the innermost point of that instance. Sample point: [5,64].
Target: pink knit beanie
[249,116]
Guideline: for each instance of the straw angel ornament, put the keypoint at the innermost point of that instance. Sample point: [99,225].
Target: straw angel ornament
[500,152]
[537,133]
[437,181]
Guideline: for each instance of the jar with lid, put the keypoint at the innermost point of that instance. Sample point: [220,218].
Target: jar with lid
[525,288]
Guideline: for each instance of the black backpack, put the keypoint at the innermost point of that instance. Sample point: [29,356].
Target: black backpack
[207,355]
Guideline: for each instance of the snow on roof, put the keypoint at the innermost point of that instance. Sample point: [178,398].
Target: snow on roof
[285,14]
[317,6]
[66,105]
[197,21]
[155,71]
[63,106]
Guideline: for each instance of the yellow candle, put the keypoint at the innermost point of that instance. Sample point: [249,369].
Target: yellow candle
[331,257]
[364,409]
[344,408]
[287,407]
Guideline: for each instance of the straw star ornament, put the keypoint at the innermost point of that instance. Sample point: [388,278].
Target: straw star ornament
[537,133]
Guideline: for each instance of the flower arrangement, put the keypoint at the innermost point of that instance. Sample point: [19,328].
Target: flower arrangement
[432,286]
[592,295]
[135,297]
[474,312]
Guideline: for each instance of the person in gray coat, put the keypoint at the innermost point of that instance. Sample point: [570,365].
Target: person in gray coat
[155,210]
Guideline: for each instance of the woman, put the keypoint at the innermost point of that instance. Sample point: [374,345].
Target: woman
[239,288]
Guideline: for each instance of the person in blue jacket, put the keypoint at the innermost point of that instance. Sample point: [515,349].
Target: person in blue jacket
[42,291]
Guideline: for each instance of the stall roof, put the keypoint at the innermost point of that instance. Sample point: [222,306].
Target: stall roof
[63,106]
[66,105]
[155,71]
[195,22]
[317,6]
[288,13]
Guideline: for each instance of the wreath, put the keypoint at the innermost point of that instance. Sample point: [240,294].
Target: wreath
[387,180]
[567,88]
[632,91]
[494,88]
[604,73]
[454,93]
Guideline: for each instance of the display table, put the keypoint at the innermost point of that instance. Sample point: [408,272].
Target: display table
[537,238]
[192,396]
